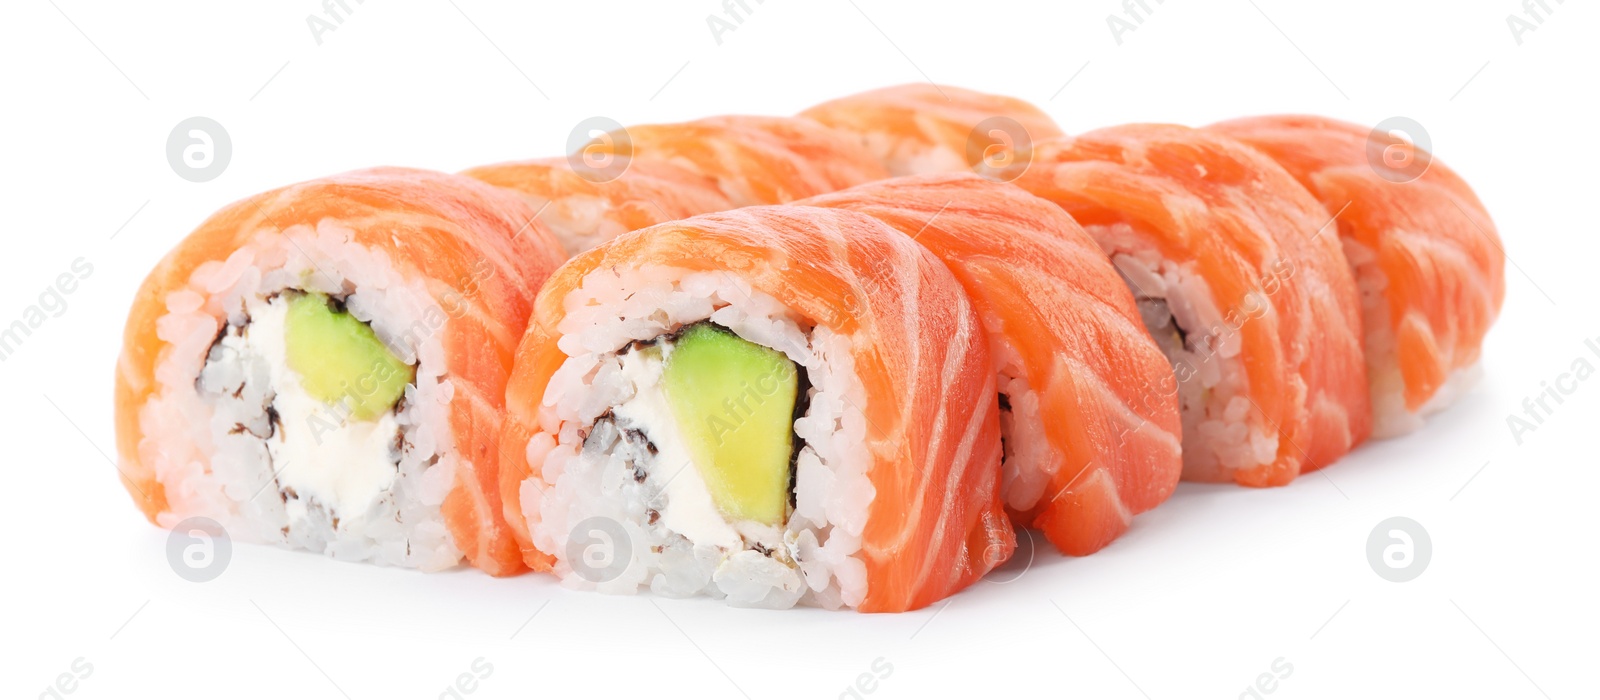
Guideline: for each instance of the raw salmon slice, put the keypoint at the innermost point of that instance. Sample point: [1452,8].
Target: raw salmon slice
[440,268]
[753,159]
[584,208]
[920,520]
[922,128]
[1089,406]
[1242,282]
[1423,249]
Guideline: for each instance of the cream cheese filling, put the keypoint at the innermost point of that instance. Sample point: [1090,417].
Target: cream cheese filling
[318,453]
[690,510]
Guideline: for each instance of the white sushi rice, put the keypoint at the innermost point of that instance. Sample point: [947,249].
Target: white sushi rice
[676,542]
[1391,417]
[1029,462]
[307,478]
[1213,388]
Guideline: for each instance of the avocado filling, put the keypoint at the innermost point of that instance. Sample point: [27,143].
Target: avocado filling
[341,362]
[710,423]
[734,403]
[319,396]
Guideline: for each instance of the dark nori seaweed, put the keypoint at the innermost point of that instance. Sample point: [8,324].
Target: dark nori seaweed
[802,403]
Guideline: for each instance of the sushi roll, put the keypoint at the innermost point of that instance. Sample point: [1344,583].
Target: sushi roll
[1237,281]
[753,160]
[922,128]
[584,210]
[323,367]
[773,406]
[1425,255]
[1088,404]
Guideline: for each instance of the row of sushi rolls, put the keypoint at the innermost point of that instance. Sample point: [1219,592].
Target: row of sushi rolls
[840,359]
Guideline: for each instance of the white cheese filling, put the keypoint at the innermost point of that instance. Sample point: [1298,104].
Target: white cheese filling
[689,511]
[346,466]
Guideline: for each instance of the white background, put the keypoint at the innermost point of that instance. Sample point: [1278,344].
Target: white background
[1201,597]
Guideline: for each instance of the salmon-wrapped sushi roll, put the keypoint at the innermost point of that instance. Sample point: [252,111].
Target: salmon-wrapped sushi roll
[774,406]
[753,159]
[1251,301]
[920,128]
[1425,254]
[585,209]
[323,367]
[1088,404]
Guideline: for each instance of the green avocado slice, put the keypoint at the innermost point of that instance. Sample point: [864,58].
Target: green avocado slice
[340,360]
[733,401]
